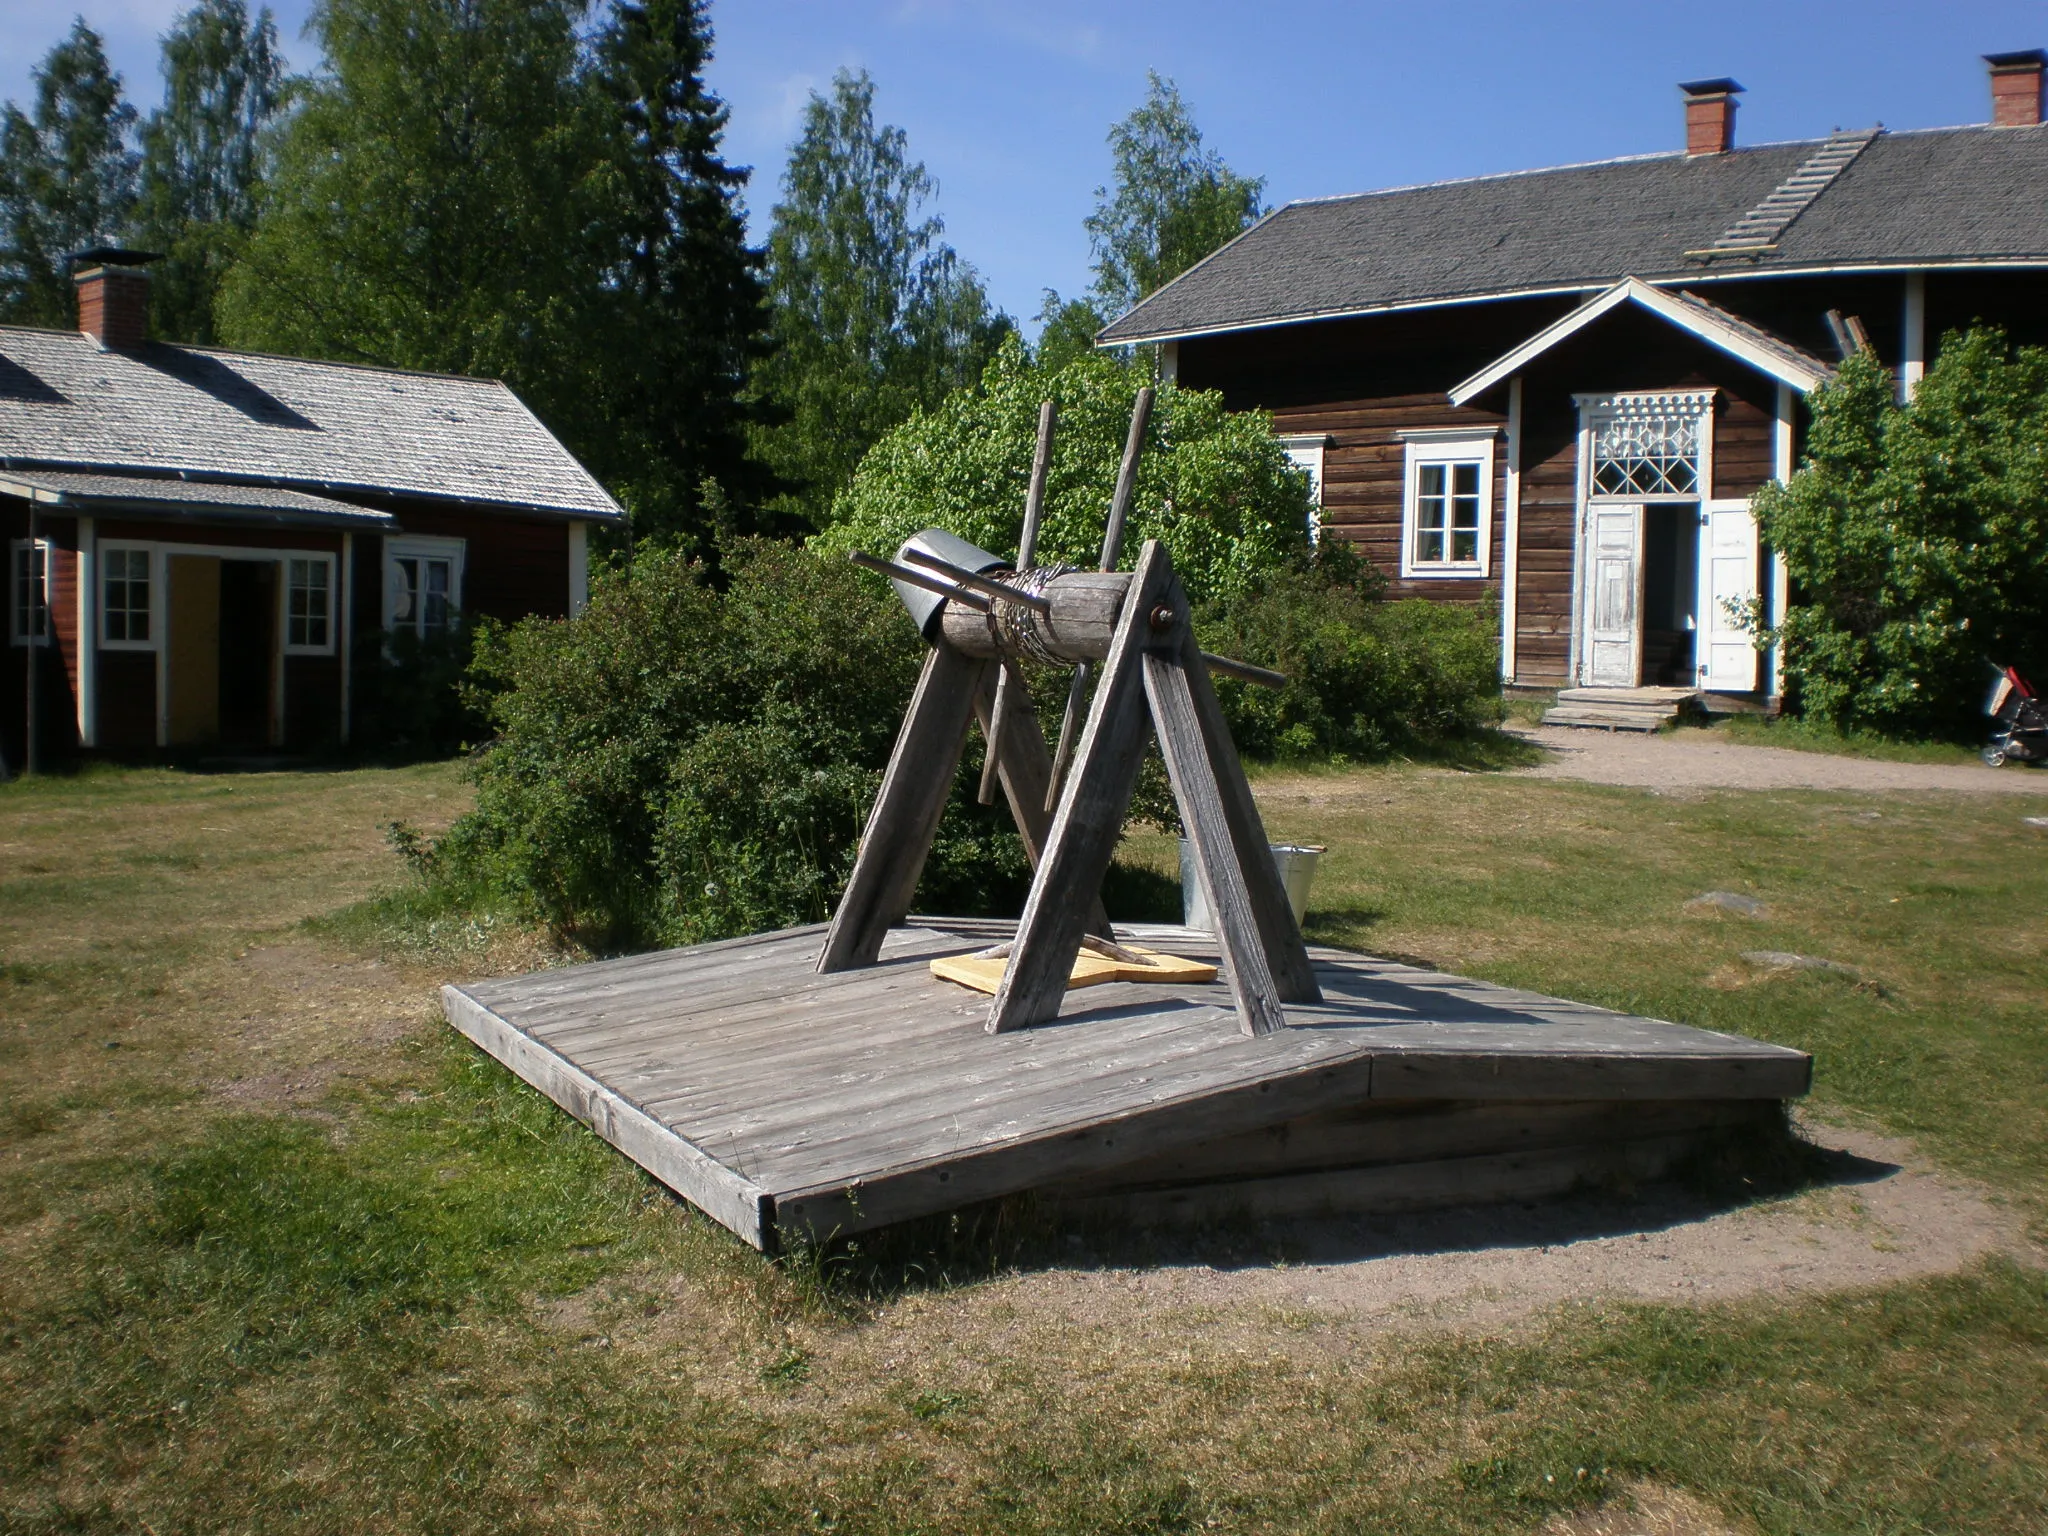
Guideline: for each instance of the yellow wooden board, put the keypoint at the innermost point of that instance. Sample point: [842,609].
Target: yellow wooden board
[986,974]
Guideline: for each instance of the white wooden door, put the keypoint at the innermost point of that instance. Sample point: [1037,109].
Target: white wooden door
[1727,655]
[1614,596]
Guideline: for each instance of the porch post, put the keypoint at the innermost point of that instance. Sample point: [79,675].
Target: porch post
[31,745]
[579,567]
[1781,585]
[88,636]
[1913,337]
[345,629]
[1511,536]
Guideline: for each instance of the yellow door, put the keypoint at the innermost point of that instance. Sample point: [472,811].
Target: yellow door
[193,664]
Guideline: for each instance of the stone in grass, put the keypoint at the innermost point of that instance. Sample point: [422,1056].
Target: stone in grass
[1785,960]
[2035,821]
[1728,901]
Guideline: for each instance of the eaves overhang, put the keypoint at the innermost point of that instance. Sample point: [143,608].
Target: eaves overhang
[1731,272]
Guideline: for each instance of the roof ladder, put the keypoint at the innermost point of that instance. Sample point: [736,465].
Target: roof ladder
[1757,231]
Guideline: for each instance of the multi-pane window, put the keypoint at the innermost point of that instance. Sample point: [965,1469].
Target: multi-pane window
[29,593]
[1447,519]
[423,595]
[308,603]
[422,584]
[1648,446]
[1446,514]
[124,595]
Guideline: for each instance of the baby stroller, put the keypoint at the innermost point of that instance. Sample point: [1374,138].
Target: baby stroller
[2021,730]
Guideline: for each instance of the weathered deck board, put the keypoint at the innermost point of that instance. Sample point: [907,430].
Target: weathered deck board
[769,1094]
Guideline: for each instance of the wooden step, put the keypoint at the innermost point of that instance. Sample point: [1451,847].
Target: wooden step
[1610,718]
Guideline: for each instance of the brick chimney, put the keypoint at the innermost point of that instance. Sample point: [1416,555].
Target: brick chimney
[1710,116]
[2016,87]
[113,296]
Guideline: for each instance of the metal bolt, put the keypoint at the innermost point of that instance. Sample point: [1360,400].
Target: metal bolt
[1163,617]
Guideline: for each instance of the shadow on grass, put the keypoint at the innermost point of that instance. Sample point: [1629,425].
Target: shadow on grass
[1029,1232]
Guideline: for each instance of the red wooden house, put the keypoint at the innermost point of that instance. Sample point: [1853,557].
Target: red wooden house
[1558,390]
[198,539]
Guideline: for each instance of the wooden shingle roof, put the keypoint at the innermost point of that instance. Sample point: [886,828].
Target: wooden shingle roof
[1940,197]
[248,418]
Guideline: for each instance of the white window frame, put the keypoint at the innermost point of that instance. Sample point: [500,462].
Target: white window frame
[1446,446]
[422,547]
[17,633]
[1305,450]
[156,594]
[284,617]
[1698,404]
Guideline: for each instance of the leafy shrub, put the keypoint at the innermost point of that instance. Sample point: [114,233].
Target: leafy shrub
[409,701]
[1213,485]
[684,763]
[1367,678]
[1915,537]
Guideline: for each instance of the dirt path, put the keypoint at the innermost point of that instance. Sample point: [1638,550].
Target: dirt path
[1685,760]
[1890,1217]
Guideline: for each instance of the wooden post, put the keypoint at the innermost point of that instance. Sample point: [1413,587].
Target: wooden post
[1112,544]
[1090,817]
[1025,767]
[906,814]
[1193,773]
[1294,977]
[31,746]
[1027,548]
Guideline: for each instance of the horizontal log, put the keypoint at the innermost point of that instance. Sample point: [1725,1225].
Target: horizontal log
[1083,615]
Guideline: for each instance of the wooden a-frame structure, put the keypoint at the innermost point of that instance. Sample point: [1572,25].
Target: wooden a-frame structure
[1154,679]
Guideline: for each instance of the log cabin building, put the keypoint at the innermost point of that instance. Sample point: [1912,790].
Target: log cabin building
[1557,390]
[204,546]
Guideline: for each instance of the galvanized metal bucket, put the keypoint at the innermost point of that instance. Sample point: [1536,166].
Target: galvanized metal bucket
[1296,863]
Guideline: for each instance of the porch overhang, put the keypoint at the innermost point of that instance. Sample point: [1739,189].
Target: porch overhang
[1768,354]
[139,496]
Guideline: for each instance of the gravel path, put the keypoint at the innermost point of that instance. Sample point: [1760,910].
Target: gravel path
[1688,760]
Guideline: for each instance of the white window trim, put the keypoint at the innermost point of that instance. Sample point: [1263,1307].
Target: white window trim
[284,604]
[14,634]
[155,558]
[1305,450]
[1698,403]
[1446,445]
[421,546]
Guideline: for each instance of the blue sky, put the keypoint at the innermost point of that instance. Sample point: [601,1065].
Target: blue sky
[1007,103]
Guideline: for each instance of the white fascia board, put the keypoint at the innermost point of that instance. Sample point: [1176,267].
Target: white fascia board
[1691,318]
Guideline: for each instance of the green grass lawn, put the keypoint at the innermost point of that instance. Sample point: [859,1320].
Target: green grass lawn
[281,1252]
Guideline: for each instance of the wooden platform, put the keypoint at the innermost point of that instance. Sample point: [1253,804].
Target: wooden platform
[778,1100]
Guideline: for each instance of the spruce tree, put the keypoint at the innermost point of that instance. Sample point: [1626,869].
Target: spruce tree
[681,302]
[67,178]
[875,315]
[223,85]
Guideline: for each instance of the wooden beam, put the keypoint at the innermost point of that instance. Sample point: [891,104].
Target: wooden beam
[1090,818]
[1190,767]
[1294,978]
[906,814]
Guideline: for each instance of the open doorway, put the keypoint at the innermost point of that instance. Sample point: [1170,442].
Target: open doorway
[248,653]
[1671,542]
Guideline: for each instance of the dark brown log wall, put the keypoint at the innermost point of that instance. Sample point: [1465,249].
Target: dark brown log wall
[1361,382]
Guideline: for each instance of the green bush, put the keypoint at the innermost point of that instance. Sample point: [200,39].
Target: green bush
[1367,678]
[1915,537]
[687,761]
[1214,486]
[409,702]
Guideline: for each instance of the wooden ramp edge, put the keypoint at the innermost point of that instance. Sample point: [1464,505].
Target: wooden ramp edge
[727,1197]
